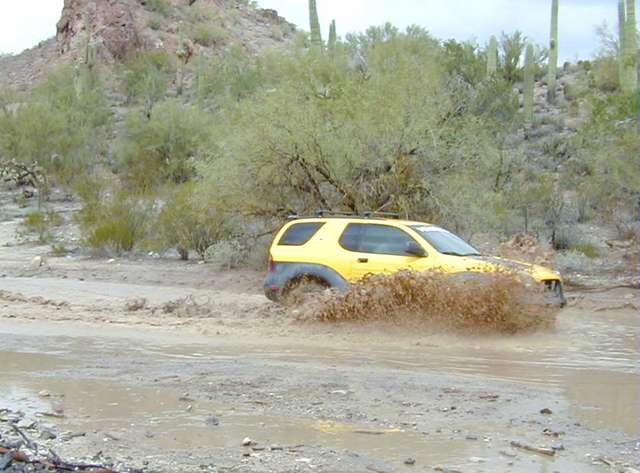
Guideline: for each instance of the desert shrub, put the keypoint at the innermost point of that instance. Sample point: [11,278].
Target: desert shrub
[228,254]
[208,34]
[588,249]
[155,23]
[113,221]
[190,221]
[165,147]
[574,262]
[40,223]
[158,6]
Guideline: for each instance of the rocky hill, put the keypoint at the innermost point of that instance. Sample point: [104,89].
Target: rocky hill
[120,28]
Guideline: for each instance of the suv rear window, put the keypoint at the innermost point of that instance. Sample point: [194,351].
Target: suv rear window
[299,234]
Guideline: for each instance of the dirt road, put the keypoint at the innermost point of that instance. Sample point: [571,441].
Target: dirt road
[170,367]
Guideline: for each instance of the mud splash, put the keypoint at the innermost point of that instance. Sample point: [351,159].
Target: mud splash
[485,303]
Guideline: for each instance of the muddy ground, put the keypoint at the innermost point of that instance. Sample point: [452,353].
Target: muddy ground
[167,366]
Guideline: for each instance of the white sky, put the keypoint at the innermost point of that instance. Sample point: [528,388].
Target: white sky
[24,23]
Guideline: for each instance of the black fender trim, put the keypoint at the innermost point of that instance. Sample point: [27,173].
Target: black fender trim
[283,273]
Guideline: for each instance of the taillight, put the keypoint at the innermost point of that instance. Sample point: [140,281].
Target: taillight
[271,265]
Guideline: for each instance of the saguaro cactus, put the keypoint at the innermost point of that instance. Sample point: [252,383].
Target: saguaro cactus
[528,84]
[622,23]
[333,37]
[553,53]
[630,53]
[492,56]
[314,21]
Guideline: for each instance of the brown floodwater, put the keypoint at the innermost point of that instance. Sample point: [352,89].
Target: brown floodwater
[591,356]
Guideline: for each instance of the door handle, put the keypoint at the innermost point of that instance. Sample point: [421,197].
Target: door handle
[363,260]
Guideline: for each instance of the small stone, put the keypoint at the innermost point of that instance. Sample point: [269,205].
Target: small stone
[212,420]
[471,437]
[410,461]
[47,434]
[44,393]
[546,411]
[247,442]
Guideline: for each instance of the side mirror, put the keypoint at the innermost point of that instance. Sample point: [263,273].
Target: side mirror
[414,249]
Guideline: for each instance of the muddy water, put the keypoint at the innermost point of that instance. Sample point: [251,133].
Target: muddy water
[166,419]
[592,358]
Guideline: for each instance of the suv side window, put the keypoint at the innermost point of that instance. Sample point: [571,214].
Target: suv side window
[299,234]
[350,239]
[375,239]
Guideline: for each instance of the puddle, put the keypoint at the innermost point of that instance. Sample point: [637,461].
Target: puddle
[157,418]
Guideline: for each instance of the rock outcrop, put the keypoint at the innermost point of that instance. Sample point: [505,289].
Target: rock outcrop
[120,28]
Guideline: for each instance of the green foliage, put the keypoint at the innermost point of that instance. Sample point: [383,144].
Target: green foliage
[208,34]
[529,82]
[40,223]
[158,6]
[586,248]
[553,53]
[191,219]
[146,78]
[314,22]
[232,76]
[57,126]
[164,147]
[112,221]
[465,61]
[314,137]
[512,46]
[606,164]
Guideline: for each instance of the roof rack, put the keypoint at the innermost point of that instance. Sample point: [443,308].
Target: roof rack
[339,214]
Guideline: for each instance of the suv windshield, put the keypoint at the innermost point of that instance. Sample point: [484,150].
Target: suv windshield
[445,242]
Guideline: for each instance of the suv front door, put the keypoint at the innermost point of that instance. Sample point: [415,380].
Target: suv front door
[377,248]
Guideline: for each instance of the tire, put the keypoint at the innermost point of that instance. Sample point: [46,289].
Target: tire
[298,291]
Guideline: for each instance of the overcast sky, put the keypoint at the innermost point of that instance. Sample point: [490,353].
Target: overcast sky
[26,22]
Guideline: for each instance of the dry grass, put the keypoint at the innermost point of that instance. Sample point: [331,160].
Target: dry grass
[482,303]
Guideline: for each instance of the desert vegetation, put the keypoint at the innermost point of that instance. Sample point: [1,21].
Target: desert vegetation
[208,144]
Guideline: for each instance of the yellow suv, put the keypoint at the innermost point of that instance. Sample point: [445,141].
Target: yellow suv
[335,251]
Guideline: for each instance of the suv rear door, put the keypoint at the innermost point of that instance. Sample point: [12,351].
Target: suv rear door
[377,248]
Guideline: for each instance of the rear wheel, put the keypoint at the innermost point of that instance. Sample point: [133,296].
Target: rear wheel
[300,290]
